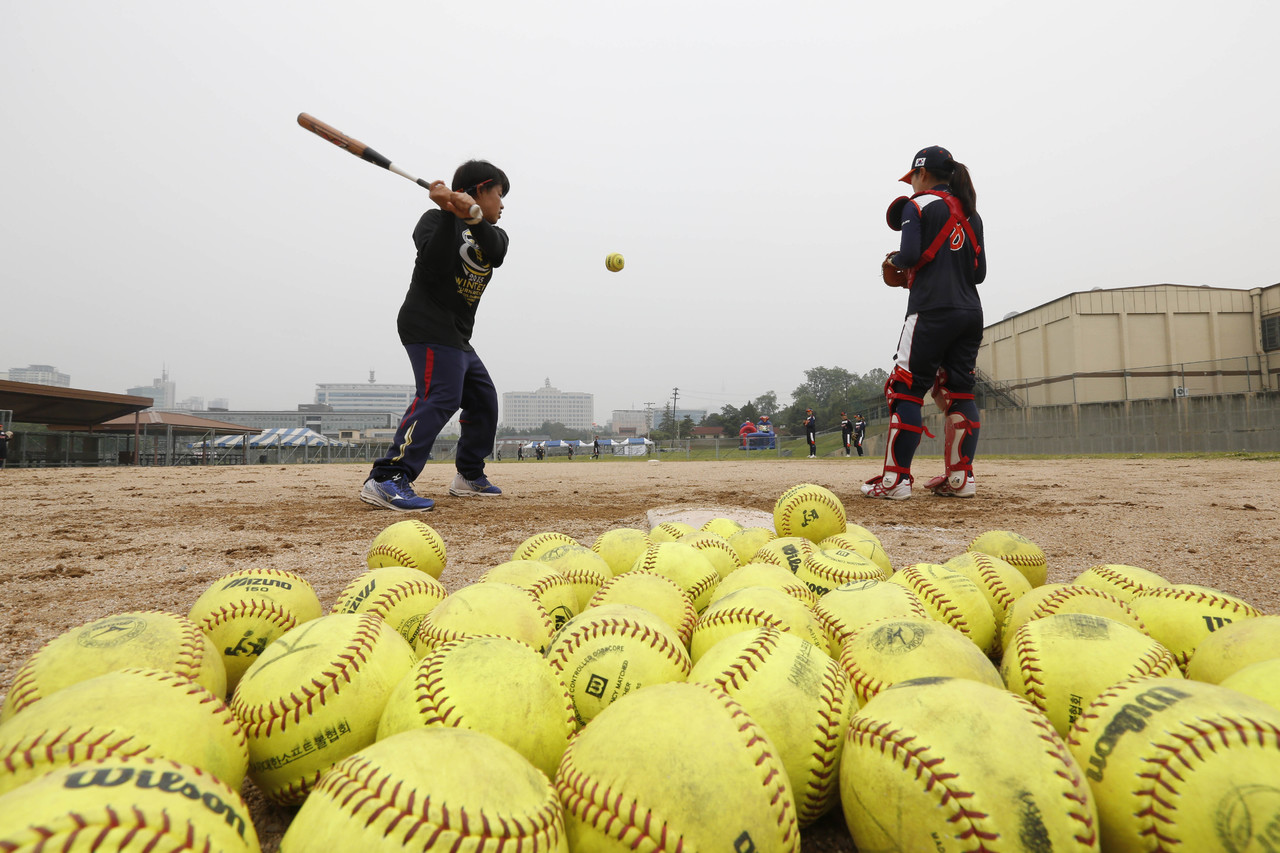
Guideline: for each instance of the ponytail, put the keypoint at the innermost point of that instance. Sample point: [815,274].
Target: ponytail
[961,186]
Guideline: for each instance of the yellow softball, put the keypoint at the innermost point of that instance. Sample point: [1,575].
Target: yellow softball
[584,569]
[1234,647]
[413,544]
[1016,550]
[883,653]
[145,712]
[676,767]
[800,697]
[552,589]
[314,697]
[613,262]
[129,805]
[1183,615]
[823,571]
[494,685]
[749,540]
[621,547]
[660,595]
[809,510]
[852,605]
[148,639]
[917,774]
[685,565]
[402,602]
[765,574]
[952,598]
[539,543]
[1060,663]
[431,789]
[1192,764]
[609,651]
[756,607]
[493,607]
[244,611]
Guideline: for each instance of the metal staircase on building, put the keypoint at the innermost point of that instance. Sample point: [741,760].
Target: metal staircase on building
[993,393]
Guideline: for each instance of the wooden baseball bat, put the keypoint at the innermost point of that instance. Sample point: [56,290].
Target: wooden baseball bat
[355,146]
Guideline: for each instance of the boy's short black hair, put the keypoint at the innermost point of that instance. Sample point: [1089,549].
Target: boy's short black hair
[476,174]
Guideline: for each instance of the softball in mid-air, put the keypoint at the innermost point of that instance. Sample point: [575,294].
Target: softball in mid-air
[613,262]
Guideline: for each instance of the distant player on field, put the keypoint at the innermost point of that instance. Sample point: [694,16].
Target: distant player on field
[846,433]
[457,254]
[811,432]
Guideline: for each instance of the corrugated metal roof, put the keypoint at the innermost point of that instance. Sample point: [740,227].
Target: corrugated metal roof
[181,422]
[49,404]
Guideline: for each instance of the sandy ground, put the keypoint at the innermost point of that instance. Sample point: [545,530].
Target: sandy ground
[80,544]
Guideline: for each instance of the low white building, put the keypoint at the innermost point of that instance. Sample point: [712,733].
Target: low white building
[531,409]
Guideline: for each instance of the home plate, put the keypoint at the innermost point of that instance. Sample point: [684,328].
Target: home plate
[698,516]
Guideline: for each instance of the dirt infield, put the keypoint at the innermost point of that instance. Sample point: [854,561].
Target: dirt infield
[84,543]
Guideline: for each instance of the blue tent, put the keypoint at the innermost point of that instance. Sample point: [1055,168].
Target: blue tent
[279,437]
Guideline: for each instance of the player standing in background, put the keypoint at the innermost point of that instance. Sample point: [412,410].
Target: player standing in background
[4,445]
[846,433]
[941,253]
[595,447]
[811,432]
[859,431]
[457,254]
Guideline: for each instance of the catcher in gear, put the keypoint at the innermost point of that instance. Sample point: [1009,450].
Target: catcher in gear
[940,262]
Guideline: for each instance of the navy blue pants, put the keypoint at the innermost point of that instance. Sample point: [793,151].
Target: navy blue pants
[447,379]
[946,339]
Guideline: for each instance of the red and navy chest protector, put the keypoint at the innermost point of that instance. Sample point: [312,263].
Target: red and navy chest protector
[942,250]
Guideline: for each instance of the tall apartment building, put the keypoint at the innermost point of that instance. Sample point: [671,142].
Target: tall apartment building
[530,409]
[40,374]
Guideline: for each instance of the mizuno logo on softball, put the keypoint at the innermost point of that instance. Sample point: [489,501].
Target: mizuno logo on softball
[280,584]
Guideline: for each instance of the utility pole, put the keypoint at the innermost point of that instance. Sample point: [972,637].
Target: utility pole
[675,397]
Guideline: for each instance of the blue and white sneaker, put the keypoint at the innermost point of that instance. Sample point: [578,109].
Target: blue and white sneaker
[464,488]
[396,493]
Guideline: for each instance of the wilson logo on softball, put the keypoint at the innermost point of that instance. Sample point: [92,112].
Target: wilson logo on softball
[167,781]
[1131,718]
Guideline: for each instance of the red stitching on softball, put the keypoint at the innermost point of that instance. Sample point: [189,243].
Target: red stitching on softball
[946,611]
[260,720]
[992,581]
[568,642]
[431,635]
[366,792]
[1050,603]
[1189,742]
[1032,684]
[1077,793]
[1198,597]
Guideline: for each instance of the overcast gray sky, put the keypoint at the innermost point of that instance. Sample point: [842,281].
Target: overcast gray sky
[162,207]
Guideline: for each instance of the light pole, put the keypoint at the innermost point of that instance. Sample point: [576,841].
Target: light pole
[675,397]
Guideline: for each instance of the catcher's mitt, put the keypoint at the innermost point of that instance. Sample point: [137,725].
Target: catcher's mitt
[893,276]
[893,215]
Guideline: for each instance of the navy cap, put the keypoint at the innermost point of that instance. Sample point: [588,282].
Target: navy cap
[935,159]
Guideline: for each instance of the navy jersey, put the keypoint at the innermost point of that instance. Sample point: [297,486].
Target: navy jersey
[454,266]
[950,280]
